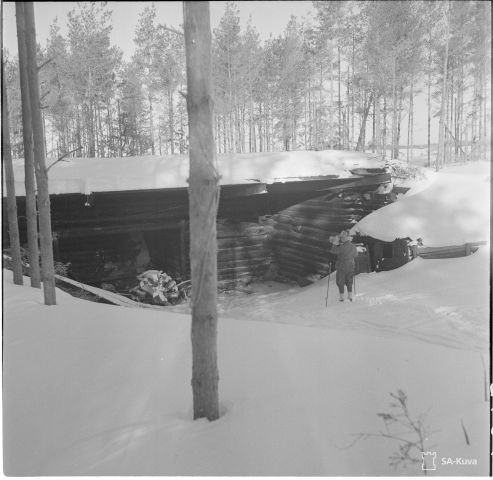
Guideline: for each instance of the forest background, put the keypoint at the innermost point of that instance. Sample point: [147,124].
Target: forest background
[353,75]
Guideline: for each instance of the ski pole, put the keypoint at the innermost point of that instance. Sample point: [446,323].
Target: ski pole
[328,283]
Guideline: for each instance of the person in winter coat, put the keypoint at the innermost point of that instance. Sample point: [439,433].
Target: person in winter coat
[346,253]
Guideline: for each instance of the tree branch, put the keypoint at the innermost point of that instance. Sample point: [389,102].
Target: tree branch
[46,62]
[170,29]
[62,157]
[44,95]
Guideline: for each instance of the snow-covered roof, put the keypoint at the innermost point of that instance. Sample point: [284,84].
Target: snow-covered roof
[86,175]
[449,208]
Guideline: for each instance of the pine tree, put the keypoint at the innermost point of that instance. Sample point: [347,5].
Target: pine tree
[94,65]
[29,175]
[204,201]
[15,246]
[47,263]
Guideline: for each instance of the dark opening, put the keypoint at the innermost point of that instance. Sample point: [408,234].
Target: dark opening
[387,250]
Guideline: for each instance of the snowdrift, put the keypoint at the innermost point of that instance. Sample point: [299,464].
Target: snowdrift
[86,175]
[450,208]
[92,389]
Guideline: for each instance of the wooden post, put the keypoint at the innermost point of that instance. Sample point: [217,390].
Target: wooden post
[27,132]
[47,264]
[15,244]
[204,201]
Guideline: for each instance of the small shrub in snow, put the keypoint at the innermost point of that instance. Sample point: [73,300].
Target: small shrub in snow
[408,433]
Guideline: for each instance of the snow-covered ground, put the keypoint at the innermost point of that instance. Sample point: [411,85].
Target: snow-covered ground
[93,389]
[451,207]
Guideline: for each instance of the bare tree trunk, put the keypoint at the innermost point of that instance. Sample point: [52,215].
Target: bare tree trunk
[394,108]
[15,243]
[204,200]
[151,124]
[429,113]
[339,101]
[101,140]
[411,121]
[409,125]
[384,132]
[351,136]
[441,131]
[373,130]
[398,134]
[486,69]
[378,131]
[480,116]
[171,118]
[360,146]
[450,109]
[310,126]
[29,178]
[47,264]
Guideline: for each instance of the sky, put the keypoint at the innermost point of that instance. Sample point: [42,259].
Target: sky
[268,17]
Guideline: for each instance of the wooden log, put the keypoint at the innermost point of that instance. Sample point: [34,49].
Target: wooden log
[303,254]
[335,208]
[242,228]
[240,236]
[301,280]
[242,254]
[321,221]
[257,242]
[329,208]
[246,263]
[296,264]
[115,229]
[232,274]
[320,240]
[304,263]
[319,250]
[445,252]
[309,231]
[112,297]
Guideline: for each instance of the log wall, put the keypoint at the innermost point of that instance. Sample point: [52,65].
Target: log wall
[300,234]
[243,253]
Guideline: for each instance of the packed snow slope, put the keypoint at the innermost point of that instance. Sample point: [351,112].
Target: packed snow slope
[451,208]
[91,389]
[86,175]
